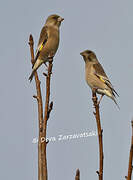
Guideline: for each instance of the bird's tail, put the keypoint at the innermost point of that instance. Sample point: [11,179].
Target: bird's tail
[31,76]
[37,64]
[113,98]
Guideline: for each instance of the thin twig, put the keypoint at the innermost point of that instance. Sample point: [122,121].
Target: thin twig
[40,110]
[46,116]
[50,109]
[77,177]
[100,131]
[130,158]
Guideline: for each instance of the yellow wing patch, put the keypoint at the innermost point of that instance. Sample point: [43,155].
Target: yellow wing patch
[102,79]
[41,47]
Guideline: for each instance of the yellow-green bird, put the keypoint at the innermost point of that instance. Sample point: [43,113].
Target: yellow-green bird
[96,77]
[48,42]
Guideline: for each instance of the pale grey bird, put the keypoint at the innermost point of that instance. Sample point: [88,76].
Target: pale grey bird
[96,77]
[48,42]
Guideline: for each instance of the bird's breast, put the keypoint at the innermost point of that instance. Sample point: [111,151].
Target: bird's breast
[53,41]
[92,80]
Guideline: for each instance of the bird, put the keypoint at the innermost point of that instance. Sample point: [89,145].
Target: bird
[48,42]
[96,77]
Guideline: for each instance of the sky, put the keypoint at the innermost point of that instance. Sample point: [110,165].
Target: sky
[106,27]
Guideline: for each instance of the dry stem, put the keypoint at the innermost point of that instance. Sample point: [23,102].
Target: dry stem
[100,131]
[77,177]
[130,158]
[42,161]
[47,111]
[40,109]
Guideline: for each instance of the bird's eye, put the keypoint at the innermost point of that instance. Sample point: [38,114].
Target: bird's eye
[55,17]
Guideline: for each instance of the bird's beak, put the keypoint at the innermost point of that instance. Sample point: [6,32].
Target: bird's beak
[81,53]
[60,19]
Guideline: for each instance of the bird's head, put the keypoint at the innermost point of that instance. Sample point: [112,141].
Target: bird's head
[54,20]
[88,56]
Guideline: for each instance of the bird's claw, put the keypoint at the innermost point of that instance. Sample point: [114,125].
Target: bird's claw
[94,89]
[50,58]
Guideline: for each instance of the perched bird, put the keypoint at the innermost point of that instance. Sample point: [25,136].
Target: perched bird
[96,77]
[48,42]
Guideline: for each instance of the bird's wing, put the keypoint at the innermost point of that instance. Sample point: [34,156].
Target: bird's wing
[100,73]
[42,40]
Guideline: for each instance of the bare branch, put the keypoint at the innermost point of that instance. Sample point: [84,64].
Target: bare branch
[50,109]
[77,177]
[40,110]
[130,158]
[100,131]
[31,43]
[46,116]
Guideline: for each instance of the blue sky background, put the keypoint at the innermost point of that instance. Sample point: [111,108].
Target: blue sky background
[105,27]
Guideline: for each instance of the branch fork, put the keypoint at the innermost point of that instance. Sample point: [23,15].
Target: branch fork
[42,117]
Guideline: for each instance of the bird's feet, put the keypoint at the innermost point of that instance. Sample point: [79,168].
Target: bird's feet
[94,97]
[50,58]
[94,89]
